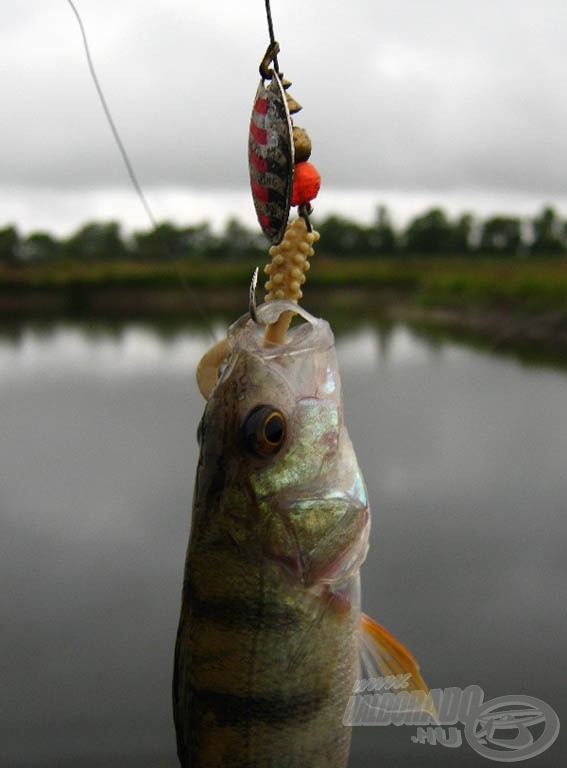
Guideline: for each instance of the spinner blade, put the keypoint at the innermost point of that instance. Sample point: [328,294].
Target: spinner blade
[271,158]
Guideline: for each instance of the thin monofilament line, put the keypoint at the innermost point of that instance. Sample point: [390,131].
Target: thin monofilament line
[271,31]
[270,22]
[131,173]
[113,128]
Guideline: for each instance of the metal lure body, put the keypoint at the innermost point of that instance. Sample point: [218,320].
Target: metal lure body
[271,157]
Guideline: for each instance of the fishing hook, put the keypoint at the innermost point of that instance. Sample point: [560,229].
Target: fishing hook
[252,297]
[305,210]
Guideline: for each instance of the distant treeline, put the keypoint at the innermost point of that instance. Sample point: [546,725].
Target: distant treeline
[430,233]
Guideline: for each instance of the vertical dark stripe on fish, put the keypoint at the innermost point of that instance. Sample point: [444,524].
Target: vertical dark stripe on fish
[237,613]
[231,710]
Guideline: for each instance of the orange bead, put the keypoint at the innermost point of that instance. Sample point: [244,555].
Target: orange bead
[306,183]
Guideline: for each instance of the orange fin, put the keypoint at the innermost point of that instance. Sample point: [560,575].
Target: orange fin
[383,655]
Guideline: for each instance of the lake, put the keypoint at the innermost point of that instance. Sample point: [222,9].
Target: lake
[465,457]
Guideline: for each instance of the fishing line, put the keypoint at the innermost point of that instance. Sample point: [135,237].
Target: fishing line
[111,123]
[271,32]
[130,169]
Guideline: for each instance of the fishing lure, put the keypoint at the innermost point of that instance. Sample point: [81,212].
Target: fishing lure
[270,635]
[278,153]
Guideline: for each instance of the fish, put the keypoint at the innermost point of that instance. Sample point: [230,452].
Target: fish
[271,640]
[271,633]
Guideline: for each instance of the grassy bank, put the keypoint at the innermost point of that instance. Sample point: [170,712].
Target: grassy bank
[507,305]
[532,286]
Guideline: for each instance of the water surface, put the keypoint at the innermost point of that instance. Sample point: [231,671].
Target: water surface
[464,455]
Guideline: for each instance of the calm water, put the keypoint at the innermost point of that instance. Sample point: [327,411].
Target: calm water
[465,457]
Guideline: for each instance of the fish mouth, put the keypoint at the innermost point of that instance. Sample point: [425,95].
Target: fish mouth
[248,332]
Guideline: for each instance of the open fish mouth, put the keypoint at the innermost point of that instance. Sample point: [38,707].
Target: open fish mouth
[312,334]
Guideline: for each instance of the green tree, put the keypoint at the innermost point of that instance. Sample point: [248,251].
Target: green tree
[547,240]
[40,246]
[198,239]
[342,237]
[9,244]
[238,242]
[166,241]
[96,242]
[382,237]
[461,234]
[501,235]
[429,233]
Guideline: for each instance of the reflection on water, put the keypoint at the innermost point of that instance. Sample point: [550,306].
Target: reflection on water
[465,459]
[141,350]
[67,351]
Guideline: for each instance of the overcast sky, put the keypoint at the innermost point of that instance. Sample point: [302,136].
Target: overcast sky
[409,103]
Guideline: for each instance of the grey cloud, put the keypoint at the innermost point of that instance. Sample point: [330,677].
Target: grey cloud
[401,95]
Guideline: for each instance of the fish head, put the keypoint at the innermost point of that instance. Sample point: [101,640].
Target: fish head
[279,473]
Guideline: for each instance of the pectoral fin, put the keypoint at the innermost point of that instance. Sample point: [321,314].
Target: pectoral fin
[384,656]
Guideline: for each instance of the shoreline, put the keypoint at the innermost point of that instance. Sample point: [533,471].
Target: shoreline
[499,327]
[541,336]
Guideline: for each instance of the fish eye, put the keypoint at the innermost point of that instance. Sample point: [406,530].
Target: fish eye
[263,431]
